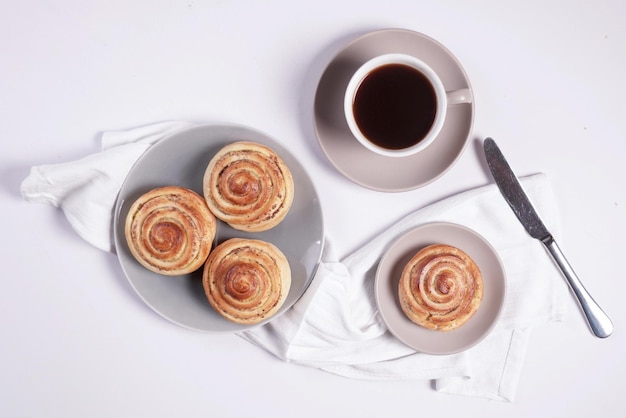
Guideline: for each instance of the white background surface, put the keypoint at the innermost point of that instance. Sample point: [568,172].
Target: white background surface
[549,84]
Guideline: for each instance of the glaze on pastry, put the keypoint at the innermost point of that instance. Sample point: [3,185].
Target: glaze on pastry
[246,280]
[440,288]
[170,230]
[248,186]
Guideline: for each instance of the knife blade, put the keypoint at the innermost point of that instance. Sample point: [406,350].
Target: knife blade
[514,194]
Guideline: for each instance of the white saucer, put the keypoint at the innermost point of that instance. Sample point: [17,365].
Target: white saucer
[364,167]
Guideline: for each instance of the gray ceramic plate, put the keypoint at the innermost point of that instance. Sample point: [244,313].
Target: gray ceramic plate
[364,167]
[181,160]
[388,277]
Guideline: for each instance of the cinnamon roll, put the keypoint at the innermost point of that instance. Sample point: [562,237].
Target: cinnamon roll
[246,280]
[170,230]
[248,186]
[440,288]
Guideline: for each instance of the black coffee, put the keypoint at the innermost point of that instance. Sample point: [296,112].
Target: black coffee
[395,106]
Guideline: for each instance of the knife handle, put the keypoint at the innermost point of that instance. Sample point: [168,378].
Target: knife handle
[599,322]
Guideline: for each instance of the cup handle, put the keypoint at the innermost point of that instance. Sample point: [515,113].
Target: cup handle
[459,96]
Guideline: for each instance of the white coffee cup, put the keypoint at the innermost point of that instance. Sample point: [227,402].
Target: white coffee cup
[407,129]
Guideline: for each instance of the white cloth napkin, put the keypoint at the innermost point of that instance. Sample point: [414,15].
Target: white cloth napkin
[86,189]
[336,326]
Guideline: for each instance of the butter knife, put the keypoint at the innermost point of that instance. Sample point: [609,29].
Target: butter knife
[515,196]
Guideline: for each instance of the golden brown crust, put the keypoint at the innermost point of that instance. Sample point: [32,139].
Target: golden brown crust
[440,288]
[170,230]
[248,186]
[246,280]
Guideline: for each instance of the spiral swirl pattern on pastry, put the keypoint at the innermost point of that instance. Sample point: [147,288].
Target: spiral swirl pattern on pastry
[440,288]
[248,186]
[170,230]
[246,280]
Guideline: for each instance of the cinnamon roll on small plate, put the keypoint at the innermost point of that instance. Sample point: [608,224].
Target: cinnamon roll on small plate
[181,160]
[440,288]
[471,269]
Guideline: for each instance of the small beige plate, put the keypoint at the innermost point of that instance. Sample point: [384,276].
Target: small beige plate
[388,277]
[364,167]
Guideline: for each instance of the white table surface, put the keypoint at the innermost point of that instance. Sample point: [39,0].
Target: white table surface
[549,86]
